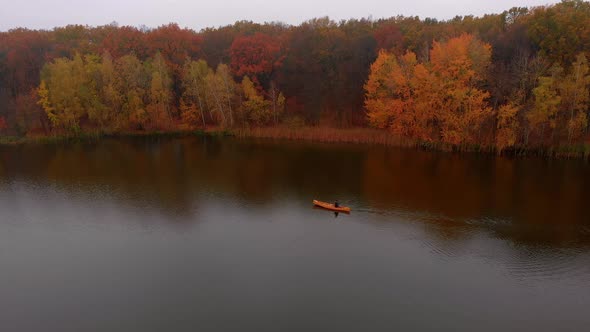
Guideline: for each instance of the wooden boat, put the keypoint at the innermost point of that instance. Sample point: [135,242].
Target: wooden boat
[331,207]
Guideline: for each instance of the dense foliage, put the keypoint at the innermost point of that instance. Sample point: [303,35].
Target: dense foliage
[515,79]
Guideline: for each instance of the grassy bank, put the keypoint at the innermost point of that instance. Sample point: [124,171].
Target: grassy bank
[318,134]
[321,134]
[381,137]
[89,137]
[351,135]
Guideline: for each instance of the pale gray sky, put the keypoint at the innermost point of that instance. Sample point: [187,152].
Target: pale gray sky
[197,14]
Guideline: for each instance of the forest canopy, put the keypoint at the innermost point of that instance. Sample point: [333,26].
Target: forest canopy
[520,78]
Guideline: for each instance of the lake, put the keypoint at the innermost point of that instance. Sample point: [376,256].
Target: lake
[219,234]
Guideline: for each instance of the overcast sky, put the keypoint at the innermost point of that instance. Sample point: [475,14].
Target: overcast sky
[198,14]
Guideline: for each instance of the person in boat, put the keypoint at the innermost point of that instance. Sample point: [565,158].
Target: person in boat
[336,204]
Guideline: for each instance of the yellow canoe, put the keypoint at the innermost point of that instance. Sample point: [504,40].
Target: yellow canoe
[331,207]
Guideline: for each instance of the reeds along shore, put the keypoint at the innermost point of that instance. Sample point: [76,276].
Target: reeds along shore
[95,136]
[382,137]
[351,135]
[323,134]
[357,135]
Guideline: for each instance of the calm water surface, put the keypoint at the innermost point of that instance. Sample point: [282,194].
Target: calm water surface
[202,234]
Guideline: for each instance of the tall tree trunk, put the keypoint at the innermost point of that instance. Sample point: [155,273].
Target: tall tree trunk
[201,107]
[219,106]
[228,95]
[274,101]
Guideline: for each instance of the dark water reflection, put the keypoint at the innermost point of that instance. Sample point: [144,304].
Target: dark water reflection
[219,234]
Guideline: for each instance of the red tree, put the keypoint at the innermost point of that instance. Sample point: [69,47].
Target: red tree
[119,41]
[25,51]
[2,124]
[175,44]
[389,38]
[256,56]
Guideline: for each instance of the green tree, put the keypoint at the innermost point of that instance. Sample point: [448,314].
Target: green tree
[228,88]
[546,104]
[64,92]
[160,93]
[221,94]
[575,97]
[110,94]
[278,102]
[256,109]
[507,127]
[90,93]
[193,103]
[133,84]
[561,31]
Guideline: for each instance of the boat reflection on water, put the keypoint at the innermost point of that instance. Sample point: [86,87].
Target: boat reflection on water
[336,213]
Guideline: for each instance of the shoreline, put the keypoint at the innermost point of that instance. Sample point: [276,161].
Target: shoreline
[89,137]
[354,135]
[372,136]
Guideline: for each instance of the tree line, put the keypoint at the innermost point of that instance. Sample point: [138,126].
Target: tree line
[515,79]
[127,93]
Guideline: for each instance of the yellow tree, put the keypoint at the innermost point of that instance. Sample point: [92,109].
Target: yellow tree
[160,93]
[228,88]
[90,92]
[277,100]
[132,83]
[220,91]
[459,66]
[193,101]
[546,103]
[256,109]
[575,97]
[506,126]
[45,100]
[214,96]
[63,91]
[110,94]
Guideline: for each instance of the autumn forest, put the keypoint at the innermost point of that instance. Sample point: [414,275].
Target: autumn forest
[514,81]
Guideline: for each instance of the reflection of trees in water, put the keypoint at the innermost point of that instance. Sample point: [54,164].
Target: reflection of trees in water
[421,181]
[142,173]
[528,201]
[542,202]
[171,173]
